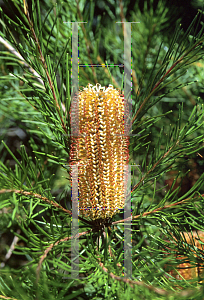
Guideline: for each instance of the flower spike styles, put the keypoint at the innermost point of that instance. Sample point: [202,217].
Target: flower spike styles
[100,151]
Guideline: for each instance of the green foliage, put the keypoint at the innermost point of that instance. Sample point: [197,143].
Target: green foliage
[35,200]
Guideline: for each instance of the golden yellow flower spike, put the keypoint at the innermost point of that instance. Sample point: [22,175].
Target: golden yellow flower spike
[101,152]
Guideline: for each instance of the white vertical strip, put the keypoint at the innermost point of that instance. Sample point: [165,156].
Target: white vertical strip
[74,171]
[127,224]
[75,225]
[75,82]
[127,79]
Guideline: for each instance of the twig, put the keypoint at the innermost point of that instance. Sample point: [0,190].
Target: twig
[150,36]
[163,77]
[8,298]
[122,17]
[155,165]
[39,172]
[22,61]
[55,244]
[87,42]
[158,291]
[113,256]
[134,79]
[12,247]
[44,199]
[132,282]
[36,196]
[157,209]
[44,65]
[99,59]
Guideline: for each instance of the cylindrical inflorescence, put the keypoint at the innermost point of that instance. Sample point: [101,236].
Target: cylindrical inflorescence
[101,151]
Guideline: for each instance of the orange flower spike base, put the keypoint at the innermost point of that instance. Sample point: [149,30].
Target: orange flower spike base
[186,270]
[101,152]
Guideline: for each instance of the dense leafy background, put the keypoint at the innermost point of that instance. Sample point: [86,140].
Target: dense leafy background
[168,148]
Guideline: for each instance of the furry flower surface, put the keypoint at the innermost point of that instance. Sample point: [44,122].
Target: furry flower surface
[101,151]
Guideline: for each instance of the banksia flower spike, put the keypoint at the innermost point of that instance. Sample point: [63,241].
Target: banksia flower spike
[101,152]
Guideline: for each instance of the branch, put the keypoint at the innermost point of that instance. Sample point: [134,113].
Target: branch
[44,65]
[44,199]
[155,165]
[149,287]
[55,244]
[22,61]
[88,44]
[8,298]
[36,196]
[157,209]
[10,251]
[163,77]
[158,291]
[99,59]
[88,47]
